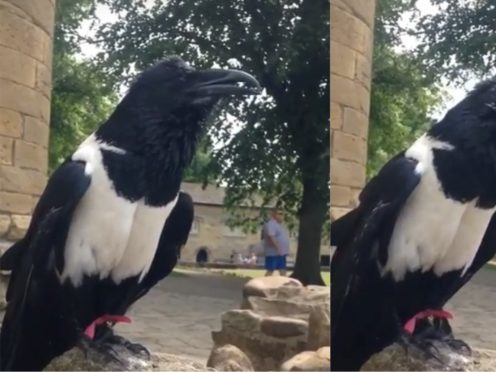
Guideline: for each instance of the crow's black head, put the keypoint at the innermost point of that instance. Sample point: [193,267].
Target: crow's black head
[158,122]
[172,92]
[171,97]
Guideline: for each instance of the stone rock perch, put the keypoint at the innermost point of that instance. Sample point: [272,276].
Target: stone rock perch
[394,358]
[76,360]
[281,325]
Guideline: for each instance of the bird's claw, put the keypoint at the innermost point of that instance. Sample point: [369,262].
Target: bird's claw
[443,331]
[424,347]
[87,345]
[459,346]
[135,348]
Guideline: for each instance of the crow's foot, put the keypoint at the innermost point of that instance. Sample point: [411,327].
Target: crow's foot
[440,329]
[102,349]
[134,348]
[424,347]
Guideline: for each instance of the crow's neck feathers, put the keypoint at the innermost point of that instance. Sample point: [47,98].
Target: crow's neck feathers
[155,153]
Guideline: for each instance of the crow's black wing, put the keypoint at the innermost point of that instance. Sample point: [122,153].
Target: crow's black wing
[365,242]
[35,262]
[379,193]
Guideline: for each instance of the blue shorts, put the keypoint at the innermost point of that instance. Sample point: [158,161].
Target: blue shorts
[275,263]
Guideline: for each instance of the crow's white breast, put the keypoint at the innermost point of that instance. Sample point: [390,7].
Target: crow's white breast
[110,236]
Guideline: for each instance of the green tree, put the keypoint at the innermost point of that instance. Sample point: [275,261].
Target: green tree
[82,97]
[404,92]
[459,39]
[282,151]
[200,169]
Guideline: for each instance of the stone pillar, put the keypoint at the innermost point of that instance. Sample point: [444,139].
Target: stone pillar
[26,35]
[352,25]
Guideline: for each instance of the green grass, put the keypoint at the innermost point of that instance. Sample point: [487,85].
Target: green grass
[491,265]
[247,273]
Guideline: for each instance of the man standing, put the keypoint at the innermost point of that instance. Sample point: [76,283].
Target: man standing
[276,244]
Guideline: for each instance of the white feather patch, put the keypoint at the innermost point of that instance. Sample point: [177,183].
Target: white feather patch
[433,232]
[109,235]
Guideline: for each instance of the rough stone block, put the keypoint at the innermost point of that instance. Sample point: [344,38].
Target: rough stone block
[319,328]
[43,79]
[347,173]
[31,156]
[363,70]
[241,320]
[19,227]
[4,224]
[396,358]
[349,147]
[283,327]
[268,286]
[23,99]
[6,146]
[276,326]
[17,67]
[349,30]
[317,295]
[355,198]
[336,116]
[350,93]
[18,180]
[41,11]
[355,122]
[11,202]
[342,60]
[4,283]
[308,361]
[337,212]
[36,131]
[10,123]
[20,34]
[363,9]
[341,196]
[229,358]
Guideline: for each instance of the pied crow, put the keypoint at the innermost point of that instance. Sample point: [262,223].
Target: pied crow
[99,223]
[423,226]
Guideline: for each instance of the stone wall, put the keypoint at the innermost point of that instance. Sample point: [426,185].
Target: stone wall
[352,24]
[26,32]
[210,231]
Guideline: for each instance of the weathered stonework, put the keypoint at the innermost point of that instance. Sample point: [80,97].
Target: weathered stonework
[210,231]
[26,35]
[352,25]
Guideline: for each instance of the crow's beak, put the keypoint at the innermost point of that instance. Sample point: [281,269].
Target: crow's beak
[217,82]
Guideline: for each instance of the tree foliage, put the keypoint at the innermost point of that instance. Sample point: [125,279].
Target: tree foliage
[459,39]
[199,170]
[404,92]
[81,96]
[282,150]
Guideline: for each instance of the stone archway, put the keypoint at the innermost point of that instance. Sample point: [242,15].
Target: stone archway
[203,255]
[26,35]
[352,25]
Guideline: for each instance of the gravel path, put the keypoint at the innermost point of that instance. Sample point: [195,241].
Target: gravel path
[178,315]
[474,309]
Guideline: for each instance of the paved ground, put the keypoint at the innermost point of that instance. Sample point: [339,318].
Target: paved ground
[179,314]
[474,309]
